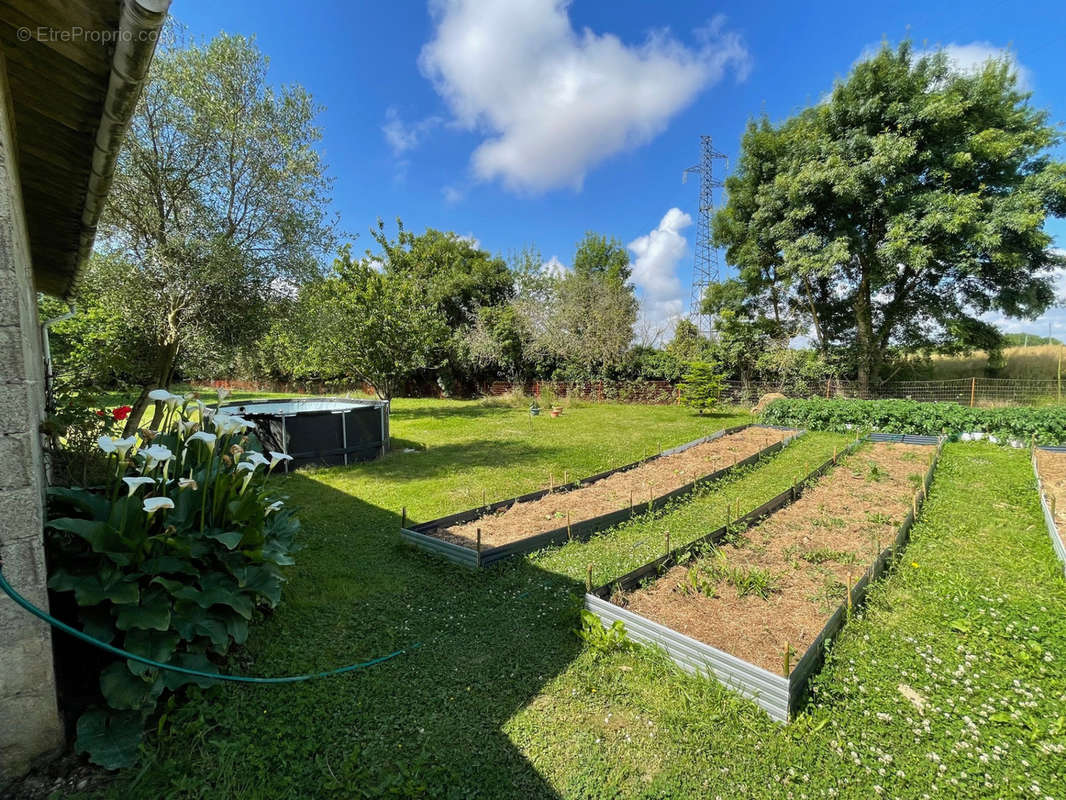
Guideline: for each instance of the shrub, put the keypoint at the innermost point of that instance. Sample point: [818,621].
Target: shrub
[169,560]
[1047,424]
[701,387]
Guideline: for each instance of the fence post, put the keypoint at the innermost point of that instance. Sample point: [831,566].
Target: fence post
[973,390]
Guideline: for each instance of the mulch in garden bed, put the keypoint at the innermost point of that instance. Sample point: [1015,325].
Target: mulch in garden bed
[811,551]
[653,479]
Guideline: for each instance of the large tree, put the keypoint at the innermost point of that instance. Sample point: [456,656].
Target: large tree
[362,323]
[219,200]
[901,209]
[598,256]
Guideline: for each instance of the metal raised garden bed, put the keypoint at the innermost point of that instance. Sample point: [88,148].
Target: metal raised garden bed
[777,694]
[1049,517]
[418,536]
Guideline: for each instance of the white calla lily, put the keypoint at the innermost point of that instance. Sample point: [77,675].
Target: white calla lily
[256,458]
[187,483]
[135,483]
[170,399]
[153,504]
[156,453]
[207,438]
[107,444]
[246,466]
[276,458]
[276,505]
[122,446]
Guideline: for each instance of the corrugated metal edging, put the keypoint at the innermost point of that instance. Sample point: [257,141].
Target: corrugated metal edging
[903,438]
[768,690]
[811,661]
[579,530]
[453,552]
[1049,518]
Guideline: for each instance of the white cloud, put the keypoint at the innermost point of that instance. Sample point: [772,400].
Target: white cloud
[452,195]
[658,255]
[403,136]
[972,57]
[553,101]
[554,267]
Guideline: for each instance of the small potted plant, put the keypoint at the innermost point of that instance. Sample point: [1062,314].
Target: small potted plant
[534,409]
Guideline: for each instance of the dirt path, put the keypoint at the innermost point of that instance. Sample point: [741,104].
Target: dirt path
[811,550]
[614,492]
[1052,469]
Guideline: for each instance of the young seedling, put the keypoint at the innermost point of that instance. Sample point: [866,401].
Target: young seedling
[667,551]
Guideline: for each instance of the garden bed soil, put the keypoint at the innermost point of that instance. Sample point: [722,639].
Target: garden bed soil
[652,479]
[1052,469]
[815,548]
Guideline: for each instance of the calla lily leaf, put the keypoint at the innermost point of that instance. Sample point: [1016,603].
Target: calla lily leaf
[90,590]
[230,538]
[153,612]
[122,689]
[110,739]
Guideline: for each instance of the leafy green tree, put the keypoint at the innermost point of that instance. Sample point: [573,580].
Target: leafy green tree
[701,386]
[219,202]
[590,327]
[365,324]
[688,344]
[600,257]
[900,209]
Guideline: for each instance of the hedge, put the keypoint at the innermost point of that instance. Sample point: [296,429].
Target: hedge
[1047,424]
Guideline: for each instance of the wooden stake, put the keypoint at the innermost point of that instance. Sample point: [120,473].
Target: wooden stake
[973,390]
[569,534]
[551,481]
[849,594]
[479,542]
[668,543]
[588,578]
[566,476]
[660,448]
[1052,499]
[788,659]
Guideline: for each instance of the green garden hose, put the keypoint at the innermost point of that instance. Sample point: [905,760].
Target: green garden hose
[55,623]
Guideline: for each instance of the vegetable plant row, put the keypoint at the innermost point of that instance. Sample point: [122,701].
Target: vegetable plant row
[1047,425]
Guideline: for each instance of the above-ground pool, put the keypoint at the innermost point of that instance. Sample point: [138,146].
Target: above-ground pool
[322,432]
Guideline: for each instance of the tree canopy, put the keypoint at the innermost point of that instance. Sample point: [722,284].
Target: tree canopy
[896,212]
[219,201]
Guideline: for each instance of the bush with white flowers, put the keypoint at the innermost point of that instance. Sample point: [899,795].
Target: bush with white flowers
[170,559]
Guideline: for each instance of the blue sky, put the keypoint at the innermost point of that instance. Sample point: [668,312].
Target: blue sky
[526,122]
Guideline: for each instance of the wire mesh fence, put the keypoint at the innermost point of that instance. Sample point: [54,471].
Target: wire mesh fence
[974,391]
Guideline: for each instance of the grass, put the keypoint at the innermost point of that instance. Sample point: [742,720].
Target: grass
[501,700]
[622,549]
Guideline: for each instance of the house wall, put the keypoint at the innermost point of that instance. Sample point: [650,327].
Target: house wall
[29,719]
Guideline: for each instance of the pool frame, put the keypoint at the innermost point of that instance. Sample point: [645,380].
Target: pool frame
[344,455]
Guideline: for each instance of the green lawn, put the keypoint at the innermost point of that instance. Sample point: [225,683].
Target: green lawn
[501,700]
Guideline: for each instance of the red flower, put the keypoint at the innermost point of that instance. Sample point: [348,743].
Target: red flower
[99,412]
[121,413]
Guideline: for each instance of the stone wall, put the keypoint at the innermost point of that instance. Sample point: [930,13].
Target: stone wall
[29,719]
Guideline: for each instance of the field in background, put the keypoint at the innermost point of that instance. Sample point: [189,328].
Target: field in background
[1030,363]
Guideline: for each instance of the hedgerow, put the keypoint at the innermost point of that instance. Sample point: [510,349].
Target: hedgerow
[1048,425]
